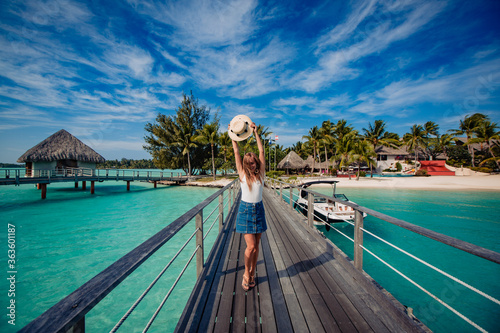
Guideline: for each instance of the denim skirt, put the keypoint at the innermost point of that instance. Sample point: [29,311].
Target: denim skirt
[251,218]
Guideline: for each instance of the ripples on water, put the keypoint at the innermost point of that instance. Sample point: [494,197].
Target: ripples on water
[65,240]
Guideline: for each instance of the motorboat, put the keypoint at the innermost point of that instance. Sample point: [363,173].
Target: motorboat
[325,210]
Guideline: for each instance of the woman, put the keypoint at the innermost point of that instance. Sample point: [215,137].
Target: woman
[251,220]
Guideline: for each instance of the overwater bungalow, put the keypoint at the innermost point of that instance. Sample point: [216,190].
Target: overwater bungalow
[60,151]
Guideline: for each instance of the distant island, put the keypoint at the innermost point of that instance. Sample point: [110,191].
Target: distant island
[11,165]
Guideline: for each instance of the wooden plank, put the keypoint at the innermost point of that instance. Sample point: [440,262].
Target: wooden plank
[317,314]
[283,322]
[253,306]
[223,320]
[238,315]
[307,307]
[321,283]
[262,280]
[294,313]
[205,291]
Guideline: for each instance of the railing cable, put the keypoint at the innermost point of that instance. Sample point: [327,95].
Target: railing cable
[426,291]
[132,308]
[169,292]
[435,268]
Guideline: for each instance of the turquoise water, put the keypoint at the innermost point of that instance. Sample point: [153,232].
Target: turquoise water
[471,216]
[65,240]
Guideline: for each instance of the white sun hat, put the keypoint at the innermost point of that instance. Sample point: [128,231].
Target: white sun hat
[239,128]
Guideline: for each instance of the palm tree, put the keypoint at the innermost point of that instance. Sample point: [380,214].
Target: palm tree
[342,129]
[313,139]
[345,149]
[226,147]
[301,149]
[467,127]
[326,132]
[415,139]
[209,134]
[486,132]
[377,135]
[363,152]
[183,138]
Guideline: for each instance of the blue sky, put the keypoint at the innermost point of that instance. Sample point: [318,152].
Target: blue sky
[103,69]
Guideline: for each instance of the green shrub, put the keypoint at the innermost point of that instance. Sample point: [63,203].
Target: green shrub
[275,174]
[422,173]
[399,167]
[482,169]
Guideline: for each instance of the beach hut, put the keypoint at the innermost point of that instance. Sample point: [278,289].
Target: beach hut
[59,151]
[292,161]
[387,157]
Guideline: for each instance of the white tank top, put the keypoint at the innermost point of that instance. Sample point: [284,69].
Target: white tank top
[253,196]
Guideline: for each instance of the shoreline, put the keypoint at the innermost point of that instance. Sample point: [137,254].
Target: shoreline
[477,182]
[450,183]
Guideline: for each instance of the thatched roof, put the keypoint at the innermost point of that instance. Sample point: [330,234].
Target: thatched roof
[61,146]
[292,161]
[318,165]
[382,150]
[310,161]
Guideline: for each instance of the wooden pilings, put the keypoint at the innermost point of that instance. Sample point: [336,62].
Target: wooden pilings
[92,187]
[43,187]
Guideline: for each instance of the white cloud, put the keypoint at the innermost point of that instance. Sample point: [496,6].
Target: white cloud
[337,65]
[204,23]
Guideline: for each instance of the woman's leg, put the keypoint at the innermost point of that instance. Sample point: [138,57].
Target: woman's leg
[251,256]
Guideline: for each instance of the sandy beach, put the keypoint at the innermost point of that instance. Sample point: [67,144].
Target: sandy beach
[476,182]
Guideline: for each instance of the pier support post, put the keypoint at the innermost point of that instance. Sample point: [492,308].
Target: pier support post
[310,210]
[199,243]
[76,184]
[43,187]
[155,183]
[84,185]
[92,187]
[221,211]
[128,185]
[358,240]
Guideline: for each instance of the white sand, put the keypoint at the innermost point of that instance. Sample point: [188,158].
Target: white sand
[482,182]
[477,182]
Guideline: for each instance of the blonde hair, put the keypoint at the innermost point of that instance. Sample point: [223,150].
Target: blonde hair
[246,169]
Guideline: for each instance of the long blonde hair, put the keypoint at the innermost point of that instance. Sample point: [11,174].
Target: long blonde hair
[257,176]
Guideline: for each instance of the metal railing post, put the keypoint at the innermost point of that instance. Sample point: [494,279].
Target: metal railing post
[358,240]
[221,211]
[199,242]
[291,196]
[281,192]
[310,209]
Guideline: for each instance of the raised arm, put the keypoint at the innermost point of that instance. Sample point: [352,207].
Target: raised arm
[262,153]
[237,157]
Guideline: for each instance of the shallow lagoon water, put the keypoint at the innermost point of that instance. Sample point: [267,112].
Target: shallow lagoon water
[65,240]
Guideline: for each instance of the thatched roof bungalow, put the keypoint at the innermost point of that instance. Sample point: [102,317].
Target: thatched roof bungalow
[387,157]
[60,150]
[292,161]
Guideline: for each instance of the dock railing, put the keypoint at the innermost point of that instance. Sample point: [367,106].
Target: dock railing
[285,192]
[69,313]
[18,176]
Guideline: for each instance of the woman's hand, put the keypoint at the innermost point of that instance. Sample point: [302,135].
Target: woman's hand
[253,127]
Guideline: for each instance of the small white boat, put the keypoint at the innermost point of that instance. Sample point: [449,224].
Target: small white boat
[326,211]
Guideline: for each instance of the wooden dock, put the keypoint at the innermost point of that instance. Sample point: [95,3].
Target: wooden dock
[44,177]
[304,284]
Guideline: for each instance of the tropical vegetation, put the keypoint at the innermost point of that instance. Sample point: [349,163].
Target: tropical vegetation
[188,141]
